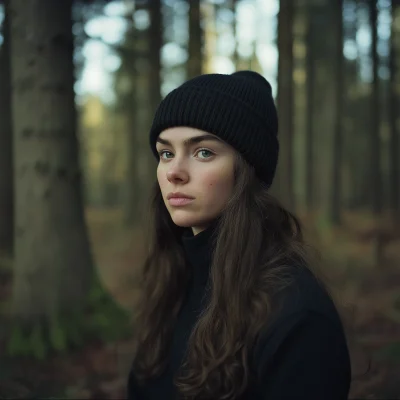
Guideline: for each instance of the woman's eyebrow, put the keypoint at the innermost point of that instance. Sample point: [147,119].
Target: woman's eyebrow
[190,141]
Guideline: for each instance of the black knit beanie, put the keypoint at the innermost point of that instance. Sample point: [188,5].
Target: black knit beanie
[238,108]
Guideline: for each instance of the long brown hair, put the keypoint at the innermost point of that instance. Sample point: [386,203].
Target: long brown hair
[256,241]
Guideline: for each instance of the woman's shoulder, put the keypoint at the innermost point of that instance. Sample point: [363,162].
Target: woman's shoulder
[309,344]
[304,302]
[304,294]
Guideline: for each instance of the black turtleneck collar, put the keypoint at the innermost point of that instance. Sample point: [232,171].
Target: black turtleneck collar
[198,250]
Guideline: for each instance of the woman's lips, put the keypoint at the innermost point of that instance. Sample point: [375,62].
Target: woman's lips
[179,201]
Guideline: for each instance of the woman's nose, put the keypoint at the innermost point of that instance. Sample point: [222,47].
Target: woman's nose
[177,172]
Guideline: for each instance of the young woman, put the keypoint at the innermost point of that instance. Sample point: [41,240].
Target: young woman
[230,307]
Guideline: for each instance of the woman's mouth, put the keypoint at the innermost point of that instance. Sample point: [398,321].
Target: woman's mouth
[179,201]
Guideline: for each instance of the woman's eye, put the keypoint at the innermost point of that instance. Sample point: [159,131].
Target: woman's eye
[161,153]
[204,154]
[210,153]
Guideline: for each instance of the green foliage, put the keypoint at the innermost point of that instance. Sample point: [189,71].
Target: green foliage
[100,318]
[17,345]
[96,292]
[58,337]
[23,343]
[38,343]
[106,319]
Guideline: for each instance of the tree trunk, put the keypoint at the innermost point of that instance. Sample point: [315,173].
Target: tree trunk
[154,88]
[336,195]
[139,176]
[155,45]
[376,178]
[394,105]
[351,134]
[375,172]
[129,98]
[324,103]
[195,61]
[235,57]
[132,189]
[285,102]
[110,150]
[53,264]
[145,97]
[309,141]
[6,172]
[141,171]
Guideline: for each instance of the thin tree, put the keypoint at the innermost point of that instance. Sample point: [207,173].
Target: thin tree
[375,144]
[354,137]
[195,46]
[155,45]
[336,195]
[141,67]
[309,140]
[53,263]
[235,56]
[145,94]
[127,80]
[6,174]
[394,105]
[376,176]
[285,102]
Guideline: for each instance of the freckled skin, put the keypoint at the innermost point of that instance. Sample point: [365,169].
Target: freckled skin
[206,175]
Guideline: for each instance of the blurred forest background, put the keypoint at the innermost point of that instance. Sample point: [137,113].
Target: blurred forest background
[79,83]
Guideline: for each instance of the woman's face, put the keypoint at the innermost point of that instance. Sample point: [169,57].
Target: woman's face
[199,165]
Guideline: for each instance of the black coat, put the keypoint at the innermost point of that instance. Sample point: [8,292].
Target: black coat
[301,354]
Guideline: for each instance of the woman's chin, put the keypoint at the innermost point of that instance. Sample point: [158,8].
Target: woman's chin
[186,221]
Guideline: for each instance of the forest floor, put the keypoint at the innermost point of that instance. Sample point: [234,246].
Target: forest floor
[368,293]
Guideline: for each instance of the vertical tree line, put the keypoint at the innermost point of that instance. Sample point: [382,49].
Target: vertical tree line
[394,107]
[310,100]
[194,64]
[6,175]
[284,177]
[375,152]
[336,193]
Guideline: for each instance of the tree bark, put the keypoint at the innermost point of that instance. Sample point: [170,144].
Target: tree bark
[53,264]
[154,83]
[351,139]
[285,103]
[195,61]
[336,195]
[141,171]
[376,175]
[309,141]
[128,98]
[394,105]
[6,171]
[155,45]
[375,149]
[235,57]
